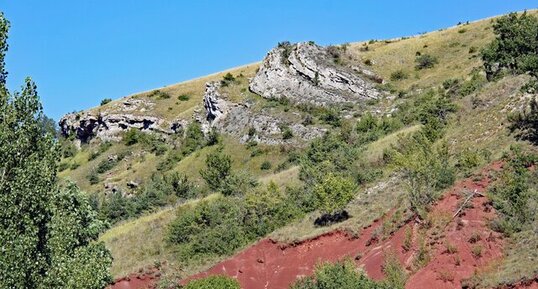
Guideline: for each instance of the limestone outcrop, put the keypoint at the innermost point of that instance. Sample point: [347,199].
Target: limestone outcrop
[306,72]
[85,126]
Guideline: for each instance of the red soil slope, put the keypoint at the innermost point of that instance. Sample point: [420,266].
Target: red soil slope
[272,265]
[144,280]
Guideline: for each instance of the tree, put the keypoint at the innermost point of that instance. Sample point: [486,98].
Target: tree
[218,169]
[515,47]
[333,193]
[47,234]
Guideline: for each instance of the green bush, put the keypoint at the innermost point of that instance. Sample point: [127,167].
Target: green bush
[333,194]
[287,133]
[426,168]
[524,124]
[209,228]
[184,97]
[342,275]
[227,79]
[238,184]
[132,136]
[266,165]
[515,193]
[105,101]
[213,282]
[398,75]
[425,61]
[218,168]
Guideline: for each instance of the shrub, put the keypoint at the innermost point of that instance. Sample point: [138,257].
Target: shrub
[183,97]
[287,133]
[266,165]
[93,177]
[227,79]
[213,282]
[105,101]
[524,124]
[238,184]
[395,275]
[194,138]
[208,228]
[341,275]
[218,168]
[333,194]
[398,75]
[132,136]
[425,61]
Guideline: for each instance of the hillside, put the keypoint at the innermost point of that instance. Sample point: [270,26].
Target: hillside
[191,174]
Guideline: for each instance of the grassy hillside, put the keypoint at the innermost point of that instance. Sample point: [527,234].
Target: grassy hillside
[475,133]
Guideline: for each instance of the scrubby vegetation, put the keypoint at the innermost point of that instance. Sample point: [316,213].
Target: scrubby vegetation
[213,282]
[342,275]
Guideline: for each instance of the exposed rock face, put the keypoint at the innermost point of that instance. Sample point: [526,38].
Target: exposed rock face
[239,120]
[86,126]
[304,72]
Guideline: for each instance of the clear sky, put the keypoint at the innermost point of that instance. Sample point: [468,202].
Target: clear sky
[80,52]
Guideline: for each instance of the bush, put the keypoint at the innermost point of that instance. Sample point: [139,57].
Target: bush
[218,168]
[238,184]
[341,275]
[213,282]
[208,228]
[227,79]
[525,124]
[425,61]
[194,138]
[426,168]
[93,177]
[333,194]
[515,193]
[184,97]
[266,165]
[287,133]
[398,75]
[132,136]
[105,101]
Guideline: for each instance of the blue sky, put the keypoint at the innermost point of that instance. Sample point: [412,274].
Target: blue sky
[80,52]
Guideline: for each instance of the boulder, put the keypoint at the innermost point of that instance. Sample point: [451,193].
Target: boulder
[306,72]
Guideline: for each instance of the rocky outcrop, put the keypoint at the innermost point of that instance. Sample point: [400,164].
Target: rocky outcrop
[305,72]
[242,122]
[85,126]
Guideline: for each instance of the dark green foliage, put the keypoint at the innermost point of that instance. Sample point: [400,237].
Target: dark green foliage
[525,124]
[194,138]
[132,136]
[48,235]
[159,94]
[515,46]
[105,101]
[219,226]
[213,137]
[426,168]
[370,128]
[398,75]
[218,168]
[266,165]
[184,97]
[67,148]
[238,184]
[211,227]
[93,177]
[341,275]
[425,61]
[213,282]
[333,193]
[287,133]
[330,116]
[515,193]
[227,79]
[160,190]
